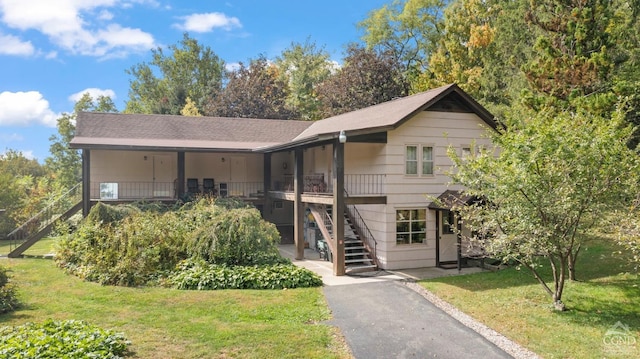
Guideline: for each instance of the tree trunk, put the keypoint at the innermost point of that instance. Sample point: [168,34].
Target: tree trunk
[559,282]
[572,263]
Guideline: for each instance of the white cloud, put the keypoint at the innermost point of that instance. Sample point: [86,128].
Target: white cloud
[28,154]
[73,25]
[207,22]
[105,15]
[11,45]
[232,66]
[94,93]
[24,108]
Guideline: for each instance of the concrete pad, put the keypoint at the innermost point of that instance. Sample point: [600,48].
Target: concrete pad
[313,262]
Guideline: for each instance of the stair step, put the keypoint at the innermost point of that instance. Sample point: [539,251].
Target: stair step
[356,254]
[358,260]
[354,247]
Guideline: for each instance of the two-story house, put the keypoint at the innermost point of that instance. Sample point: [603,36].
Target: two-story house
[359,183]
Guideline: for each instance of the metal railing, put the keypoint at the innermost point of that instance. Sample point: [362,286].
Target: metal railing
[365,233]
[117,190]
[356,184]
[45,217]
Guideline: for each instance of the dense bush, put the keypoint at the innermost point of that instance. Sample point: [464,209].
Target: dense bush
[198,275]
[8,298]
[236,236]
[133,247]
[61,339]
[129,252]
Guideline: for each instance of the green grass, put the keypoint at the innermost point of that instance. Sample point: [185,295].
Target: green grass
[168,323]
[513,303]
[40,248]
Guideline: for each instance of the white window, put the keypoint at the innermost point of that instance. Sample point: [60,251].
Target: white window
[427,160]
[411,160]
[411,226]
[466,151]
[418,160]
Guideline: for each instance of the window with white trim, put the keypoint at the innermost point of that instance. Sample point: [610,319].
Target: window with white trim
[411,226]
[411,160]
[427,160]
[418,160]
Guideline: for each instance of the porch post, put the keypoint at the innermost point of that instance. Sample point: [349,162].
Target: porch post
[338,208]
[267,184]
[86,182]
[459,241]
[298,206]
[438,215]
[180,181]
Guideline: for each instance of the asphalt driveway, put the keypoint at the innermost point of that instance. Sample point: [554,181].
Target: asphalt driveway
[385,319]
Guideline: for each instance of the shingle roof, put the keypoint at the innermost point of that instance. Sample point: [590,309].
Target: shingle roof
[110,130]
[387,115]
[169,131]
[451,199]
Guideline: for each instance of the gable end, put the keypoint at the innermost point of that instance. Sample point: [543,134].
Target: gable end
[453,102]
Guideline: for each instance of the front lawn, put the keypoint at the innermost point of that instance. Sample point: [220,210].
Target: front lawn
[513,303]
[170,323]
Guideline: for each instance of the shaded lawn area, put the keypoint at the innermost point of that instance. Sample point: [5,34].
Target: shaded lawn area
[513,303]
[168,323]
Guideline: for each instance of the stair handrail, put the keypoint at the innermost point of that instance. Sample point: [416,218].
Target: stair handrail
[362,227]
[46,211]
[326,227]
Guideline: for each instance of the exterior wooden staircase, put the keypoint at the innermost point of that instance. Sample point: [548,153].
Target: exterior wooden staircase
[359,256]
[40,225]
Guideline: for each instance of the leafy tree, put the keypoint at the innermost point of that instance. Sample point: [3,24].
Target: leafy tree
[10,196]
[367,78]
[16,164]
[191,70]
[18,175]
[190,109]
[304,67]
[256,91]
[482,47]
[553,178]
[65,163]
[408,31]
[576,49]
[625,225]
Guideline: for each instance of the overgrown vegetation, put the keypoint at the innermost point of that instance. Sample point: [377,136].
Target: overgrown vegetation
[225,242]
[8,299]
[61,339]
[199,275]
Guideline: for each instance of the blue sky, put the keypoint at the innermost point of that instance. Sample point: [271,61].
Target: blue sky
[52,51]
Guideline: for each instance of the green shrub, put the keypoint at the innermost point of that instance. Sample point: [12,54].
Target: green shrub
[8,299]
[104,213]
[237,236]
[61,339]
[141,247]
[197,275]
[130,252]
